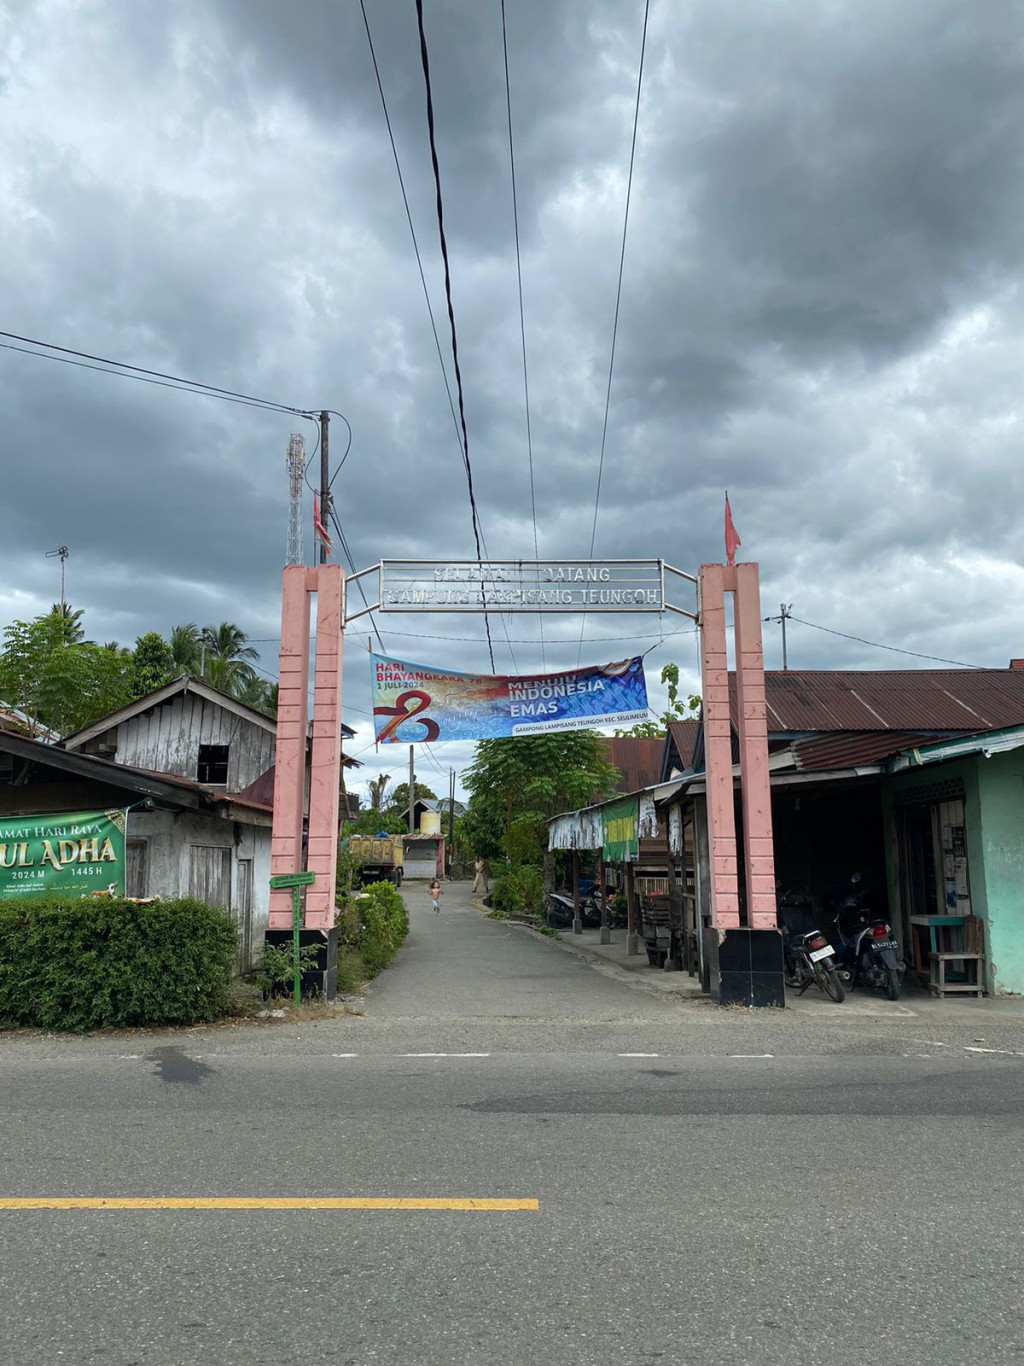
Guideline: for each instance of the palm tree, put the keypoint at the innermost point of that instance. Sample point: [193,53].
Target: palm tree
[376,787]
[227,642]
[186,657]
[69,620]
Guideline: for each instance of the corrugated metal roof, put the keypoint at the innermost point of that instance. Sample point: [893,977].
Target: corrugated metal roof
[918,700]
[684,736]
[637,758]
[851,749]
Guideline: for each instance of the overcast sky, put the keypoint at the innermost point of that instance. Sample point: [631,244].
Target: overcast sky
[821,310]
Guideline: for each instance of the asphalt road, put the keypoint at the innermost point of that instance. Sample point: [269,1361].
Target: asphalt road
[855,1195]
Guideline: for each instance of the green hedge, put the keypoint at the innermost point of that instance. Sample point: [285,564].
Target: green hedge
[95,964]
[383,925]
[519,891]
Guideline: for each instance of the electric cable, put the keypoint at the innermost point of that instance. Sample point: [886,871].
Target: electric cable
[425,61]
[351,563]
[128,371]
[522,313]
[894,648]
[618,300]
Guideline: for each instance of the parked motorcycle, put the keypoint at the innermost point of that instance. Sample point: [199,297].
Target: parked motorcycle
[869,954]
[559,911]
[810,959]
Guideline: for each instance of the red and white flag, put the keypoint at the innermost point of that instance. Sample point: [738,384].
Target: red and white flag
[732,536]
[319,527]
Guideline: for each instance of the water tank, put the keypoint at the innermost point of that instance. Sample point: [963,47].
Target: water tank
[430,823]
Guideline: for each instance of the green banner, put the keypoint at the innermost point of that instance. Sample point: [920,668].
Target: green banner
[619,821]
[69,854]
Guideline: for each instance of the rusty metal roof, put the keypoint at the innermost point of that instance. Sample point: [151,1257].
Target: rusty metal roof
[637,758]
[851,749]
[684,737]
[916,700]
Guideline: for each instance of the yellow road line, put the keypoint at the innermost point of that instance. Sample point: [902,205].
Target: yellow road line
[257,1202]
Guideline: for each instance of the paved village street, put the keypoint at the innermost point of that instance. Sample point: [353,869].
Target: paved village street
[792,1187]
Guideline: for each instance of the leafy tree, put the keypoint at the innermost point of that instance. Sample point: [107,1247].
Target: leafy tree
[679,708]
[518,784]
[61,682]
[399,800]
[227,642]
[369,822]
[152,664]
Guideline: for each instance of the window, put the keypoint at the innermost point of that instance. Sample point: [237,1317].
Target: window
[209,877]
[213,765]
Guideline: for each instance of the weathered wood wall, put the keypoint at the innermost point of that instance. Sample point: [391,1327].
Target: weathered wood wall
[166,739]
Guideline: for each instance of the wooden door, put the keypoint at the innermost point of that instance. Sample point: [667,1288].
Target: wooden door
[209,875]
[243,912]
[136,876]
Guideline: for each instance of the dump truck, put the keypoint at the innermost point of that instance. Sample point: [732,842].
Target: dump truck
[380,857]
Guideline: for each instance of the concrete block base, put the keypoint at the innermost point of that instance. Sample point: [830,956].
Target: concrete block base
[633,944]
[606,935]
[322,980]
[745,967]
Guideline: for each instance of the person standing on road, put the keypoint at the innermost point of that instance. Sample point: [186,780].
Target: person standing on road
[435,895]
[480,881]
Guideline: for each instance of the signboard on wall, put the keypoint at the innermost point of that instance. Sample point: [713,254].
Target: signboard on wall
[416,702]
[522,586]
[69,854]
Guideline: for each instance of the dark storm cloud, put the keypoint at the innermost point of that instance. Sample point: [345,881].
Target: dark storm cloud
[820,306]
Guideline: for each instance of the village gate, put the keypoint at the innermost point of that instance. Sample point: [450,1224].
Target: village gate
[745,960]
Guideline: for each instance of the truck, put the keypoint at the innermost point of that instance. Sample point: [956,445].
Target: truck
[380,857]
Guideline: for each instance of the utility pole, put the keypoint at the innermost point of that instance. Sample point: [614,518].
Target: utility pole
[325,478]
[412,795]
[451,817]
[63,552]
[785,612]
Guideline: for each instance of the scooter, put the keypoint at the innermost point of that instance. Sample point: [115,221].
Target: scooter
[869,954]
[810,959]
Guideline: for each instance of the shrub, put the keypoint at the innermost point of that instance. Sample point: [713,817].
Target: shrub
[93,964]
[519,891]
[384,923]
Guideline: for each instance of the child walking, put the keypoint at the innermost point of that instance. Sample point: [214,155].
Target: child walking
[435,895]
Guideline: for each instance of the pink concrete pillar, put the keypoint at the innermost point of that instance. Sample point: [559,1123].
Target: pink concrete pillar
[713,580]
[752,725]
[290,752]
[325,761]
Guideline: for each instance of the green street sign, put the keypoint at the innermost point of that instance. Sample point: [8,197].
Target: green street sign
[292,880]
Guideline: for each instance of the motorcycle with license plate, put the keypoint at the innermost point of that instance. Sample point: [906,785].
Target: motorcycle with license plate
[869,954]
[808,959]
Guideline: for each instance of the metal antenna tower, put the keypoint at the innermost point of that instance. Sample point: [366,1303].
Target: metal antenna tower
[296,468]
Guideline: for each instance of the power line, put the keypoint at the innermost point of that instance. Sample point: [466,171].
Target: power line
[424,58]
[618,297]
[522,311]
[938,659]
[159,377]
[352,566]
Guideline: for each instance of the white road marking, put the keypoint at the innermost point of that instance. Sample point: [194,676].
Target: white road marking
[344,1055]
[440,1055]
[1009,1051]
[639,1055]
[751,1055]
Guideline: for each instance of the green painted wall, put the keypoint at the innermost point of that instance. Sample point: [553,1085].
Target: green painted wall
[994,816]
[1001,788]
